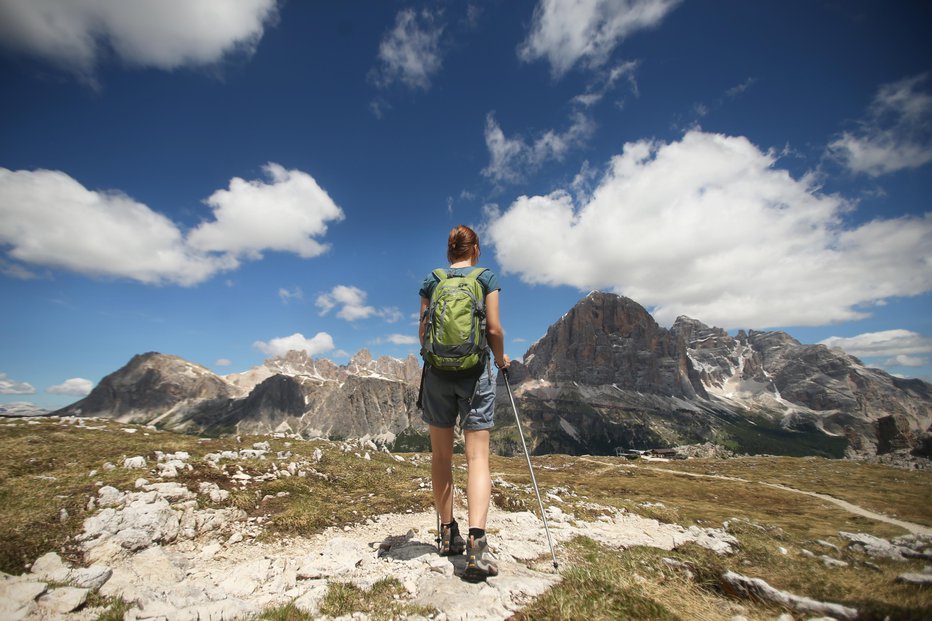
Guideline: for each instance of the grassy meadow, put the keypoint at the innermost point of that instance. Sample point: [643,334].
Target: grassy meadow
[49,469]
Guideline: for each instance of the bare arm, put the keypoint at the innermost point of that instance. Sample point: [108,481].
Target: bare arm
[494,330]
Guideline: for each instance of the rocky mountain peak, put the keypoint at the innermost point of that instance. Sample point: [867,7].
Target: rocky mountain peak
[150,381]
[362,358]
[608,339]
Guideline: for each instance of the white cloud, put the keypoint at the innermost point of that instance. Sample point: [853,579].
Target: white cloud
[320,343]
[566,32]
[401,339]
[391,314]
[9,386]
[606,80]
[410,52]
[48,218]
[287,296]
[352,303]
[253,216]
[885,343]
[76,387]
[709,227]
[351,300]
[896,134]
[906,361]
[167,34]
[510,159]
[223,362]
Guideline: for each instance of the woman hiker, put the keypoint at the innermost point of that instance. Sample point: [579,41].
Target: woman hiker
[447,397]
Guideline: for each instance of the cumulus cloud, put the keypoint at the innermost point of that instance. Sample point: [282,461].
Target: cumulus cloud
[894,343]
[896,133]
[352,305]
[410,52]
[709,226]
[76,387]
[318,344]
[511,159]
[48,218]
[567,32]
[351,300]
[223,362]
[77,34]
[285,214]
[9,386]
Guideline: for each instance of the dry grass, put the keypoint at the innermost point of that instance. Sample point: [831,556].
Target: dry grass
[895,492]
[710,502]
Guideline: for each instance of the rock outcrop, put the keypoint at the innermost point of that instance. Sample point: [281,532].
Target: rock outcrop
[809,387]
[609,340]
[606,376]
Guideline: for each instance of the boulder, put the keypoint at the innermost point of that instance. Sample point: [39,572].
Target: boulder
[63,600]
[18,597]
[109,496]
[134,462]
[50,568]
[145,519]
[913,578]
[756,588]
[92,577]
[873,546]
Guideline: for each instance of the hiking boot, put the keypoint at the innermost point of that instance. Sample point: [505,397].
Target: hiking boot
[451,542]
[480,564]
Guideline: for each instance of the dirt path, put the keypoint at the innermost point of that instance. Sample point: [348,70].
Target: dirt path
[912,527]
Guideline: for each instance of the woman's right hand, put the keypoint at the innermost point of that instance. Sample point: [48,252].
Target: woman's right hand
[504,362]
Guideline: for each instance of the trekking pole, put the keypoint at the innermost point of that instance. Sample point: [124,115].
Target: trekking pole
[527,456]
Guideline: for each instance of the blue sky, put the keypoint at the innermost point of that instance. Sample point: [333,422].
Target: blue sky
[222,181]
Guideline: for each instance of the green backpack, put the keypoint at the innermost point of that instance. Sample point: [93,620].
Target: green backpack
[454,338]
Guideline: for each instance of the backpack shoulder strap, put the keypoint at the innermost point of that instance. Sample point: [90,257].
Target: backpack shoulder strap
[476,273]
[440,273]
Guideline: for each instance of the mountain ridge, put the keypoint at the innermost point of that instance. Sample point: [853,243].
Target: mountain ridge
[604,377]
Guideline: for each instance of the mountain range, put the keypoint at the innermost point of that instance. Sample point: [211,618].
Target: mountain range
[604,377]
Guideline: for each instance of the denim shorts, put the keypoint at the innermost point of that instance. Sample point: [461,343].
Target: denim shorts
[447,399]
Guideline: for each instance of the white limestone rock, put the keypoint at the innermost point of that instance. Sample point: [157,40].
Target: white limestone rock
[63,600]
[93,577]
[759,589]
[134,462]
[18,597]
[50,568]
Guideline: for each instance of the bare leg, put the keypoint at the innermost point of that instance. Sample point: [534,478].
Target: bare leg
[479,482]
[441,473]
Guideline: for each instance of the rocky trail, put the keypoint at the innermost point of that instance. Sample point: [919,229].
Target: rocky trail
[151,547]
